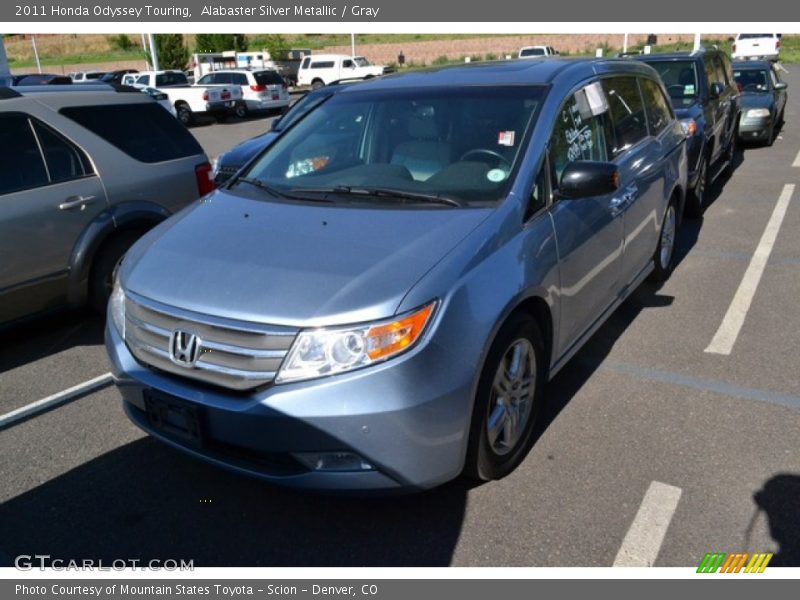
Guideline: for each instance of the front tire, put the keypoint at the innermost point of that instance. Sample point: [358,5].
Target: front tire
[695,202]
[508,400]
[316,84]
[664,255]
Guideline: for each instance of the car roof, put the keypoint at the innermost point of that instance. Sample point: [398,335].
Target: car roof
[546,71]
[56,96]
[752,64]
[685,55]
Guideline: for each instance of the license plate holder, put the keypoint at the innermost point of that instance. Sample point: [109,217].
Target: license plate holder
[175,418]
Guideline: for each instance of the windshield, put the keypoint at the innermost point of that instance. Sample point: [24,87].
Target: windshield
[301,108]
[750,36]
[361,61]
[680,79]
[461,143]
[752,80]
[532,52]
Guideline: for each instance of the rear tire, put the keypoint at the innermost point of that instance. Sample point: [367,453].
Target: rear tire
[105,265]
[664,256]
[508,400]
[184,114]
[241,110]
[316,84]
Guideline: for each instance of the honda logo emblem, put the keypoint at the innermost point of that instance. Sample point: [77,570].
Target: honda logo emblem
[184,348]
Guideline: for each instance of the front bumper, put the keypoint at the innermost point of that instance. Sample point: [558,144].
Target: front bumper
[409,418]
[754,128]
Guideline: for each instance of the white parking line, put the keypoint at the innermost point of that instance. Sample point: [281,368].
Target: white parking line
[725,338]
[646,534]
[52,401]
[796,162]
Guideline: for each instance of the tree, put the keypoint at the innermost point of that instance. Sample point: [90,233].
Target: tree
[220,42]
[277,47]
[172,54]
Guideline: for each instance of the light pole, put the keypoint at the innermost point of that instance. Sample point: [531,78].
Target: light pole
[153,51]
[352,44]
[36,53]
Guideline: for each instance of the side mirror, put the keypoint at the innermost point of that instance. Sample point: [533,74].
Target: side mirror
[781,85]
[716,89]
[588,178]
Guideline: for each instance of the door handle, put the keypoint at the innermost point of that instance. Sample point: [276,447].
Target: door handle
[619,203]
[75,202]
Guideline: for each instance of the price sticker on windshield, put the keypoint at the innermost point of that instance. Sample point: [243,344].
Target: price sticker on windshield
[505,138]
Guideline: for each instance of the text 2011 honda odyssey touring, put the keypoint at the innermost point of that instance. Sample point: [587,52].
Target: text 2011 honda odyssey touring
[377,300]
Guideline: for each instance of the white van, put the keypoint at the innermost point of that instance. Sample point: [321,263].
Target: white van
[321,69]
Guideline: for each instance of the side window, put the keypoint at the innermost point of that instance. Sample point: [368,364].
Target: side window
[143,80]
[121,125]
[347,64]
[64,160]
[23,166]
[206,79]
[223,78]
[576,136]
[306,62]
[239,78]
[628,122]
[658,111]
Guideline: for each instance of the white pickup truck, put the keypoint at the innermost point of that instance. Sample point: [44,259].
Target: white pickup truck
[748,46]
[321,69]
[190,100]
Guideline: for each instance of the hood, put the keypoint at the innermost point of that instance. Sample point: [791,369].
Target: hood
[239,155]
[756,100]
[292,264]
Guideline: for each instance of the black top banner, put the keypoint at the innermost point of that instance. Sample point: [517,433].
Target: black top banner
[453,11]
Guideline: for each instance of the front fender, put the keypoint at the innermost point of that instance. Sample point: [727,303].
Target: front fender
[118,216]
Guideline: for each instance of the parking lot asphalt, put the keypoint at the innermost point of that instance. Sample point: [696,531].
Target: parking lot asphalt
[642,402]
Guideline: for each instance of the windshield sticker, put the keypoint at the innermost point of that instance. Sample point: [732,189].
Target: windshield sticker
[496,175]
[688,89]
[505,138]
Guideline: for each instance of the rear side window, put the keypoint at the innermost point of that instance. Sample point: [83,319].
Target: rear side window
[143,80]
[239,78]
[628,120]
[306,61]
[64,160]
[145,132]
[23,166]
[323,64]
[268,78]
[659,114]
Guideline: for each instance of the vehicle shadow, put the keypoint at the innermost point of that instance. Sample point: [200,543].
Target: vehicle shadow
[146,501]
[779,498]
[36,339]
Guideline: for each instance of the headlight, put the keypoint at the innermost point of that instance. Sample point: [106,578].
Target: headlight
[757,113]
[321,352]
[117,308]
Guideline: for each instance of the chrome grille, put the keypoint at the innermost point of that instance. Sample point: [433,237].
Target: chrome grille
[233,354]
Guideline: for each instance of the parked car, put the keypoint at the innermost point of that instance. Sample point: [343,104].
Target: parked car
[706,100]
[190,100]
[116,76]
[321,69]
[423,252]
[756,46]
[536,51]
[228,163]
[41,79]
[86,76]
[86,171]
[763,100]
[161,98]
[261,90]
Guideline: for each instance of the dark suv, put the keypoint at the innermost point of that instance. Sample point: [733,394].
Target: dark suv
[706,100]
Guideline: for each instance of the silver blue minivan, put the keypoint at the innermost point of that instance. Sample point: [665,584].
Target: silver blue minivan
[378,300]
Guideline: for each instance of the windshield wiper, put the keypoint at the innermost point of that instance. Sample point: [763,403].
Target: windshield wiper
[385,192]
[274,191]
